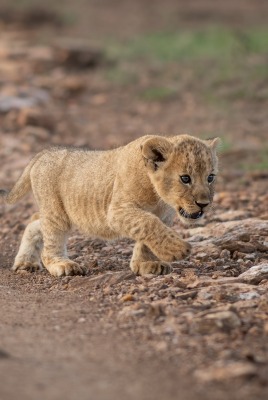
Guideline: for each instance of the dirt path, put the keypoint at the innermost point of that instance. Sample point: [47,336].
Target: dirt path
[59,346]
[56,344]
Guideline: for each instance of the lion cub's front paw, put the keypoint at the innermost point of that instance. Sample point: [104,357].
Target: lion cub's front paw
[151,267]
[66,267]
[172,249]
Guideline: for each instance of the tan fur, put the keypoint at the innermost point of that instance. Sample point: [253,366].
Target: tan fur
[133,191]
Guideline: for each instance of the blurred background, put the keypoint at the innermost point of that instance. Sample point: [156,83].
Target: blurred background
[103,72]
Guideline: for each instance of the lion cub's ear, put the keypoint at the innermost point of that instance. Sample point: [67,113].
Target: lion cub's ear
[155,151]
[214,143]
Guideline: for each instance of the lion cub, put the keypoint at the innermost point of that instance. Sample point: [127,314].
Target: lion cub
[133,191]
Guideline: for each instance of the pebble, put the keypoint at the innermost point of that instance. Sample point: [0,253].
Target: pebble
[225,372]
[226,254]
[126,252]
[107,248]
[127,297]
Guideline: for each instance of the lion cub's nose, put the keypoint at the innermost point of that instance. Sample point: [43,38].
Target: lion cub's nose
[201,205]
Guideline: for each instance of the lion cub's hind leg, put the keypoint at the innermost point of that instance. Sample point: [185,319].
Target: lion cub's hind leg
[54,254]
[144,262]
[28,256]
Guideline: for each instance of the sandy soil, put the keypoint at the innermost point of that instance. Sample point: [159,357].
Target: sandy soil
[200,331]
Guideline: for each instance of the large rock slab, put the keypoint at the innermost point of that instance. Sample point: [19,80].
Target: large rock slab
[255,274]
[246,236]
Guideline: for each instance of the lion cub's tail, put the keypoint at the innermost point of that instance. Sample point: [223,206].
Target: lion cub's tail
[22,186]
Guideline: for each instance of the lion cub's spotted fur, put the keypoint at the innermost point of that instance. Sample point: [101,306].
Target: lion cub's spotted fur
[133,191]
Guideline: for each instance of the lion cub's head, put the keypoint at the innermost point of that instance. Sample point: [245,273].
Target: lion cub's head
[182,170]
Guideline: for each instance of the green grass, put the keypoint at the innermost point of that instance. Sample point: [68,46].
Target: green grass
[158,94]
[212,43]
[261,164]
[121,76]
[224,65]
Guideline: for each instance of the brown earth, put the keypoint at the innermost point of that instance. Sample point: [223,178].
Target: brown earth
[200,331]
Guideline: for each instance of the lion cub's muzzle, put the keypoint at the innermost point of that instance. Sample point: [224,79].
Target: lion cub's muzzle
[195,215]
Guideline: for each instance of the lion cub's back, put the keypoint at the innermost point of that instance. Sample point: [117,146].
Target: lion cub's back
[81,181]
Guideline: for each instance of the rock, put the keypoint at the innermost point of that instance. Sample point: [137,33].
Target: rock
[202,256]
[23,98]
[231,230]
[126,252]
[224,372]
[232,216]
[232,292]
[263,304]
[78,54]
[210,282]
[108,279]
[255,274]
[126,312]
[4,354]
[127,297]
[160,346]
[225,254]
[69,86]
[249,295]
[215,321]
[188,295]
[35,117]
[157,309]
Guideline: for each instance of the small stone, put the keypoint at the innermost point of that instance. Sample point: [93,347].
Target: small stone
[225,372]
[202,256]
[78,54]
[250,257]
[107,249]
[249,295]
[263,305]
[188,295]
[157,309]
[34,117]
[23,98]
[4,354]
[226,254]
[66,279]
[128,297]
[160,346]
[129,312]
[126,252]
[73,85]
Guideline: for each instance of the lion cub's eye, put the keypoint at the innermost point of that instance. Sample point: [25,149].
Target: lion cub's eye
[185,179]
[211,178]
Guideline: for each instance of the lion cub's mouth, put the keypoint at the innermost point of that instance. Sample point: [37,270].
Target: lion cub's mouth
[195,215]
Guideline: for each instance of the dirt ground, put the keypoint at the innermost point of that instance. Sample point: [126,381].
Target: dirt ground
[200,331]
